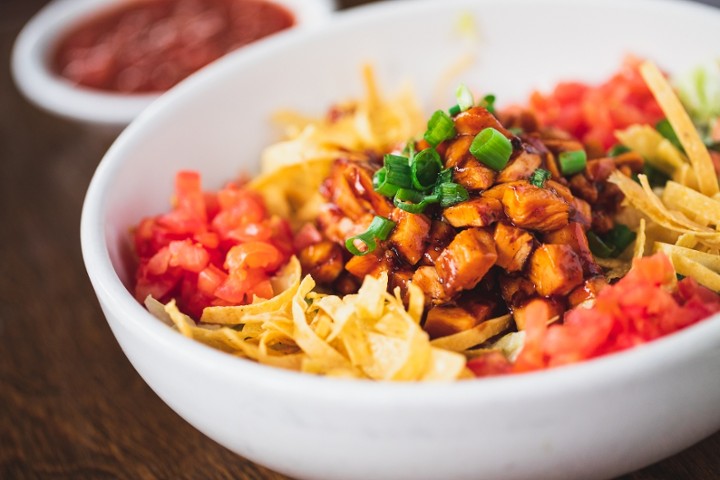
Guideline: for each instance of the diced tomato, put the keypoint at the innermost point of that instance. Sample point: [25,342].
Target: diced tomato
[638,309]
[593,113]
[491,363]
[211,248]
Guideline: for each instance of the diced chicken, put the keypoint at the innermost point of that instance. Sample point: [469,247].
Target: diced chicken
[337,190]
[466,260]
[498,190]
[323,260]
[584,188]
[400,278]
[477,212]
[555,308]
[335,226]
[520,167]
[514,246]
[555,270]
[573,235]
[517,117]
[633,160]
[457,151]
[581,212]
[516,289]
[443,320]
[559,145]
[586,293]
[476,119]
[602,222]
[360,181]
[371,264]
[599,169]
[535,208]
[410,235]
[473,175]
[561,190]
[441,234]
[428,280]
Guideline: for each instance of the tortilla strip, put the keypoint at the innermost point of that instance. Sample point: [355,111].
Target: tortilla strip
[460,341]
[684,129]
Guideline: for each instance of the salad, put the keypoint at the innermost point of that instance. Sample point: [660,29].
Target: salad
[482,241]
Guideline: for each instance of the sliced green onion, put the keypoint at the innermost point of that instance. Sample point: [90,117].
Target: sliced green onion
[464,97]
[444,176]
[440,128]
[451,193]
[398,171]
[425,168]
[454,110]
[379,229]
[413,201]
[409,150]
[488,102]
[381,185]
[492,148]
[598,247]
[539,177]
[666,130]
[618,149]
[572,162]
[620,237]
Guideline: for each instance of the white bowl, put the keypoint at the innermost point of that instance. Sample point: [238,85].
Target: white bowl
[34,46]
[594,420]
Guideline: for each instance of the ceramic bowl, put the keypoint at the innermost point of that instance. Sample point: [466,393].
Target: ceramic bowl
[597,419]
[45,88]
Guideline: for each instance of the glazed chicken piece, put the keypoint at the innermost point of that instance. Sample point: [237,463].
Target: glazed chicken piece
[535,208]
[587,292]
[477,212]
[476,119]
[457,151]
[441,234]
[466,260]
[371,264]
[520,167]
[350,188]
[444,320]
[428,280]
[581,186]
[573,235]
[515,289]
[514,246]
[599,169]
[323,260]
[581,212]
[555,269]
[473,175]
[410,236]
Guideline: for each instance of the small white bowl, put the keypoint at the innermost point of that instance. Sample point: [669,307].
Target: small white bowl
[45,88]
[594,420]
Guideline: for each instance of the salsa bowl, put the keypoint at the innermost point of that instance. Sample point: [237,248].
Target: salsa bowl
[597,419]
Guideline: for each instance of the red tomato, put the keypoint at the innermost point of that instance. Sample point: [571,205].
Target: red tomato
[211,248]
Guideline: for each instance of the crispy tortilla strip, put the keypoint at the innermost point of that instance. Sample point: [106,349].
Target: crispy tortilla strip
[683,126]
[286,283]
[466,339]
[639,247]
[654,148]
[707,260]
[701,208]
[444,366]
[703,275]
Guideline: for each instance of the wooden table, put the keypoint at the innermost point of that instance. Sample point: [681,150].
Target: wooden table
[71,405]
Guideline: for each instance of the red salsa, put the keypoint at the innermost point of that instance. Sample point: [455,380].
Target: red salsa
[150,45]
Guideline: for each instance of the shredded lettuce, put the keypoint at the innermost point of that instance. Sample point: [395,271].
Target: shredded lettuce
[699,91]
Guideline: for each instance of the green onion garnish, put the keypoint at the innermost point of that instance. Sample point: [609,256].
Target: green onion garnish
[440,127]
[398,171]
[413,201]
[409,150]
[464,97]
[572,162]
[539,177]
[620,237]
[381,185]
[444,176]
[492,148]
[666,130]
[379,229]
[454,110]
[488,102]
[424,169]
[618,149]
[598,247]
[451,193]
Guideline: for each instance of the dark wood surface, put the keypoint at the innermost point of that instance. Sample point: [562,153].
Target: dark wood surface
[71,405]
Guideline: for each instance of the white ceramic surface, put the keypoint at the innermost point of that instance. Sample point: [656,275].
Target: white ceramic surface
[593,420]
[34,46]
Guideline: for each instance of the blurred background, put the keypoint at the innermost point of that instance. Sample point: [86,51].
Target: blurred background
[71,406]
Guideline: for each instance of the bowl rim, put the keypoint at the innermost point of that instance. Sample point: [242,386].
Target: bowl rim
[622,367]
[51,92]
